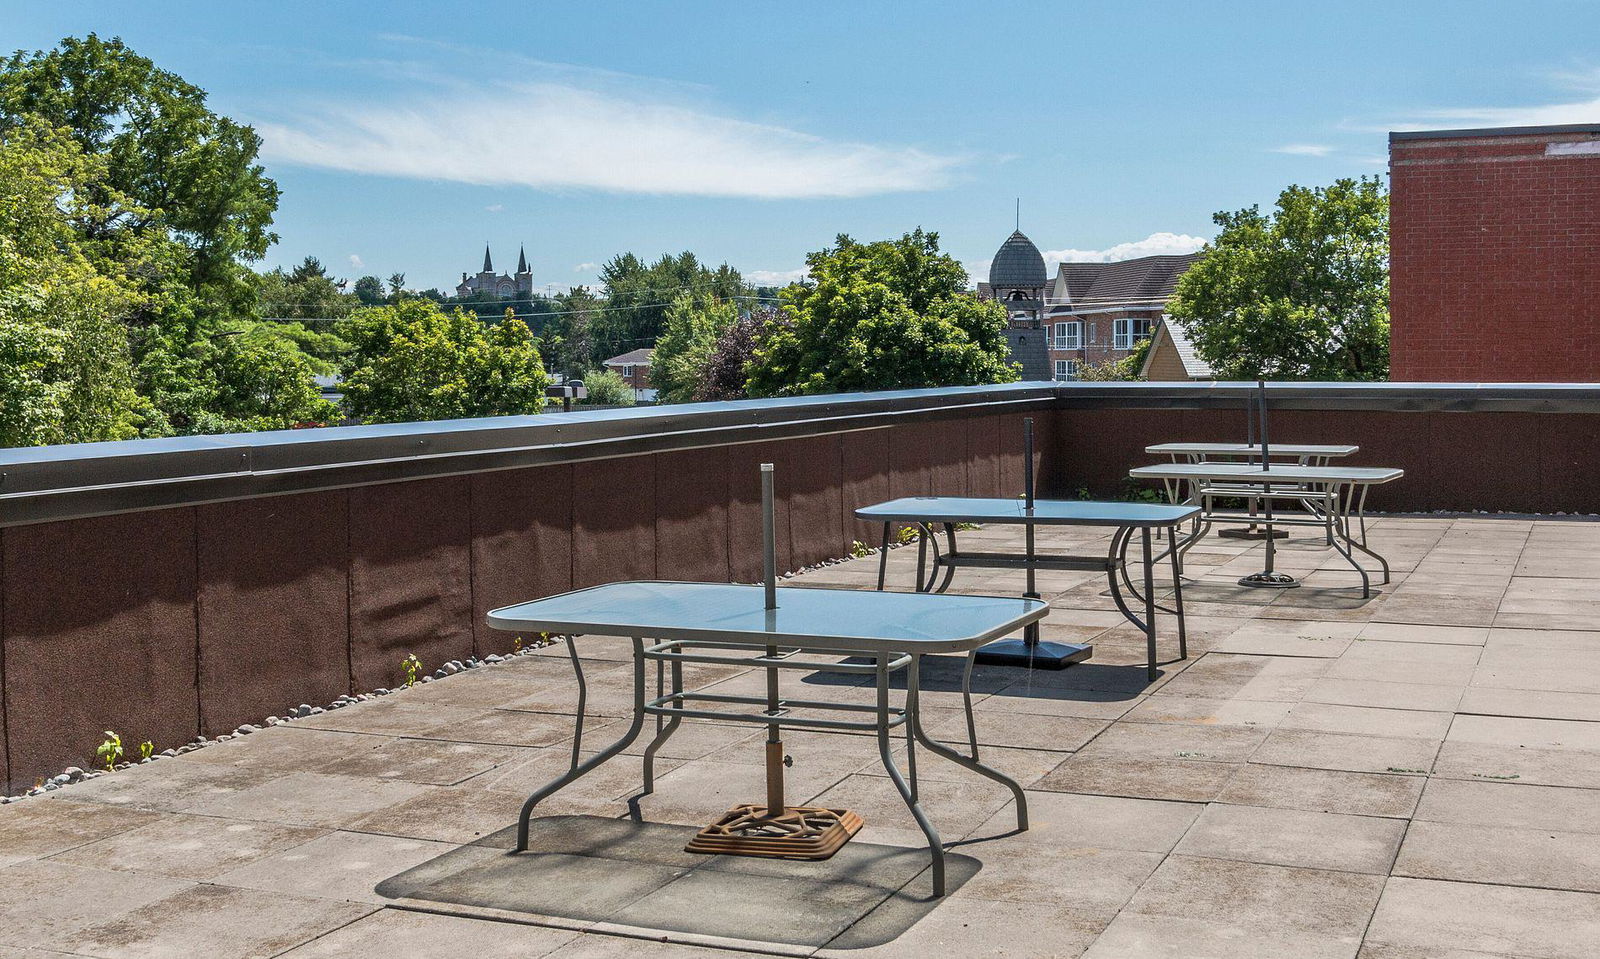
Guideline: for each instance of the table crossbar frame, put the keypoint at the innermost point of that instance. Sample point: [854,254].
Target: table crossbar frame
[669,706]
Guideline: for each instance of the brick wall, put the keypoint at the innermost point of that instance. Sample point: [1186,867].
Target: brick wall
[1495,262]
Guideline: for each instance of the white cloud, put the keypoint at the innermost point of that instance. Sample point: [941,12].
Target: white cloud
[774,277]
[355,261]
[1304,149]
[585,268]
[1550,114]
[613,135]
[495,207]
[1155,244]
[1583,106]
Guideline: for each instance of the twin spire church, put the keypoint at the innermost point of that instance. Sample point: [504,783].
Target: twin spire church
[487,281]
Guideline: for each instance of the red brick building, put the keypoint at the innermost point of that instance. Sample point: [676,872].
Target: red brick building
[1087,313]
[1495,254]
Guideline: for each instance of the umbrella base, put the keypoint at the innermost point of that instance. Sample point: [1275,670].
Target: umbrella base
[800,832]
[1266,580]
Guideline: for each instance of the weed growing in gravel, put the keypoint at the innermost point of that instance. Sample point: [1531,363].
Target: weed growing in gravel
[110,750]
[413,667]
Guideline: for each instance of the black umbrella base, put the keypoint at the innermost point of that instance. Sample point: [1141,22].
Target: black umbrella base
[1041,655]
[1266,580]
[1252,533]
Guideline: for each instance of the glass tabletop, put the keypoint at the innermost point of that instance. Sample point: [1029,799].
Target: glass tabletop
[819,619]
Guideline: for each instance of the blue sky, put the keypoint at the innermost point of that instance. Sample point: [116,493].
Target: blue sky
[406,134]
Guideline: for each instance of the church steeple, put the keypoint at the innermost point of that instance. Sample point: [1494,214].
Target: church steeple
[488,267]
[522,260]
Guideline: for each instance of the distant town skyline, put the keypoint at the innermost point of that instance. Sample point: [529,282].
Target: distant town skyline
[753,134]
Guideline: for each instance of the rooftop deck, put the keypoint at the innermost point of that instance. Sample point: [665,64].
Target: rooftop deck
[1413,775]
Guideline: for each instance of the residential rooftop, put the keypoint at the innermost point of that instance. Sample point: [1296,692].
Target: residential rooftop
[1415,774]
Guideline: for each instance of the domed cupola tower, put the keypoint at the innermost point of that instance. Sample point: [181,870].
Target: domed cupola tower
[1017,279]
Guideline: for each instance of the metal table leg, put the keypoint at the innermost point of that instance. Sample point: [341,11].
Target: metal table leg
[1177,601]
[1150,603]
[883,558]
[935,845]
[663,731]
[972,763]
[579,770]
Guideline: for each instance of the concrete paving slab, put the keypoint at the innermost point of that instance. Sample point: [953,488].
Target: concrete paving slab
[1542,923]
[339,865]
[216,921]
[1165,707]
[1258,898]
[427,761]
[1294,837]
[1181,780]
[1510,804]
[1501,855]
[46,825]
[307,799]
[1369,721]
[427,936]
[48,904]
[189,847]
[1324,790]
[1371,754]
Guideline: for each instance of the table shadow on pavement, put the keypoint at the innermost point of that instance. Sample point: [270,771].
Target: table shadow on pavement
[1081,682]
[591,869]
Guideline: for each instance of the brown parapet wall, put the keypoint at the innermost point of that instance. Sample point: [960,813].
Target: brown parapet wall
[168,623]
[284,569]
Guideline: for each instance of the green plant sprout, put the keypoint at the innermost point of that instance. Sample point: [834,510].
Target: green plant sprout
[110,750]
[516,644]
[858,549]
[146,748]
[413,667]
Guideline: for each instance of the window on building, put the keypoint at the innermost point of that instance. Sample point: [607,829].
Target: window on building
[627,372]
[1017,296]
[1069,335]
[1130,330]
[1066,369]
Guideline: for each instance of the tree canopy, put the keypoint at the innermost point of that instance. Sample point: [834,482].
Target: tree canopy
[413,361]
[170,164]
[638,295]
[65,369]
[894,314]
[694,322]
[1302,293]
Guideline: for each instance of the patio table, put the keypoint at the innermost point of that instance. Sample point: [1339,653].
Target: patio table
[1338,492]
[927,512]
[673,623]
[1304,454]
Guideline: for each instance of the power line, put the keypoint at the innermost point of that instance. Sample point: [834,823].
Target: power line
[598,309]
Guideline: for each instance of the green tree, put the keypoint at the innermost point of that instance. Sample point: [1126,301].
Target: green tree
[306,292]
[171,165]
[694,322]
[894,314]
[397,286]
[608,388]
[727,368]
[412,361]
[638,295]
[65,372]
[1127,368]
[1302,293]
[568,332]
[229,383]
[369,291]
